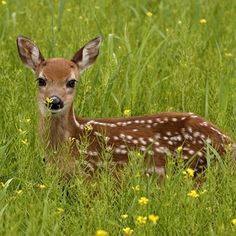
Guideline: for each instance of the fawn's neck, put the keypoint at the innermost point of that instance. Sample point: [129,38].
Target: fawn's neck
[56,129]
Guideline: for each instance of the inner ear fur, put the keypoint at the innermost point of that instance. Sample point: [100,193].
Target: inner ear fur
[29,53]
[87,55]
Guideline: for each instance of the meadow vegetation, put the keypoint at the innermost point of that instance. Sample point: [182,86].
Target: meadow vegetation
[157,55]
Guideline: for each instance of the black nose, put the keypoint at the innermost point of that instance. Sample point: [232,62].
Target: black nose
[55,103]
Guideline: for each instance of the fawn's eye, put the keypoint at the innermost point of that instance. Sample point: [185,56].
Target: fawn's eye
[71,83]
[42,82]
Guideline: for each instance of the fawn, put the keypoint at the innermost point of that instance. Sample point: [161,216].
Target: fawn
[156,136]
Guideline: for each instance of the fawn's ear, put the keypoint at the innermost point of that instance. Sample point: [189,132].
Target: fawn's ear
[29,53]
[87,55]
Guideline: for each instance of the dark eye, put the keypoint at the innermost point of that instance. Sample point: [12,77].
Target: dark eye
[42,82]
[71,83]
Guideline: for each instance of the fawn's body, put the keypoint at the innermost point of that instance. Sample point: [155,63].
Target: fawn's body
[156,136]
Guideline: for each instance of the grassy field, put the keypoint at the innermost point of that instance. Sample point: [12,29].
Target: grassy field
[157,55]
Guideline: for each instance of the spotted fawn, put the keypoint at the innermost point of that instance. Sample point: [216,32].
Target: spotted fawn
[157,137]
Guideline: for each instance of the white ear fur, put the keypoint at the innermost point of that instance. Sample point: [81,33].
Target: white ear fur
[87,55]
[29,53]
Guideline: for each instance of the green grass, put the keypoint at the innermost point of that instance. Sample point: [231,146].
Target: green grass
[167,62]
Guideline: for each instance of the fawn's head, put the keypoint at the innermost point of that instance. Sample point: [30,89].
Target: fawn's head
[57,77]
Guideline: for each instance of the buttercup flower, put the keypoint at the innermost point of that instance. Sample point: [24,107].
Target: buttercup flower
[19,191]
[193,194]
[136,188]
[60,210]
[4,2]
[101,232]
[127,112]
[203,21]
[72,139]
[141,220]
[128,231]
[153,218]
[149,14]
[42,186]
[143,201]
[179,149]
[25,141]
[228,54]
[49,100]
[189,172]
[203,191]
[233,221]
[125,216]
[22,131]
[88,127]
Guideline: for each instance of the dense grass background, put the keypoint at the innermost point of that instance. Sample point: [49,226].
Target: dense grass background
[165,62]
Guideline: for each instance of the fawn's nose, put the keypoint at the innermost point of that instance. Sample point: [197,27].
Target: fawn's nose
[55,103]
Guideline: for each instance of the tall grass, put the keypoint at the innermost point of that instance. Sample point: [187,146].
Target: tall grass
[169,61]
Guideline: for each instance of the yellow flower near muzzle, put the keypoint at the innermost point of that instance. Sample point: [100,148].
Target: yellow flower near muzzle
[48,101]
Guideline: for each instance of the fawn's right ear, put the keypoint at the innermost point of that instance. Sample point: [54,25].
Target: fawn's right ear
[29,53]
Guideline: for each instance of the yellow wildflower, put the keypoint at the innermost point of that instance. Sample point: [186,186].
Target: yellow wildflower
[22,131]
[233,221]
[228,54]
[60,210]
[125,216]
[71,139]
[101,232]
[4,2]
[88,127]
[189,172]
[127,112]
[42,186]
[139,154]
[25,141]
[153,218]
[193,194]
[149,14]
[136,188]
[141,220]
[27,120]
[203,21]
[203,191]
[128,231]
[179,149]
[143,201]
[49,100]
[19,191]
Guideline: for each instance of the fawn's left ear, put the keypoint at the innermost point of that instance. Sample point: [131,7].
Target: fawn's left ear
[87,55]
[29,53]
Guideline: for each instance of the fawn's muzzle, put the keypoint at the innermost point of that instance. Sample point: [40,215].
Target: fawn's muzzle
[54,103]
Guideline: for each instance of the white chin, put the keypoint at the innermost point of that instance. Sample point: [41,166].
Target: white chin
[55,111]
[45,111]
